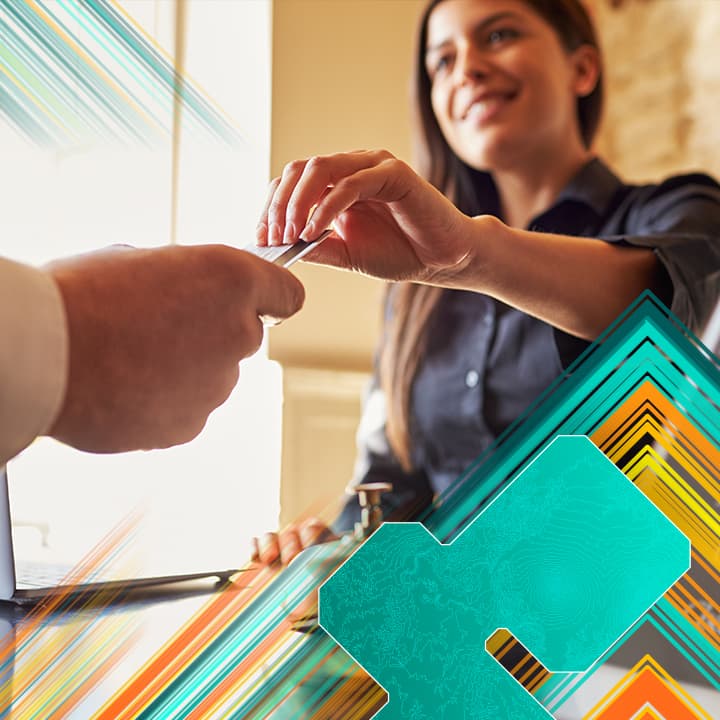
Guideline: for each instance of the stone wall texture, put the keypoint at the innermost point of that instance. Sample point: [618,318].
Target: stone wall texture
[662,69]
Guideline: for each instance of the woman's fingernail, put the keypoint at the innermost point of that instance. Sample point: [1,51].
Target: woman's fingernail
[274,234]
[261,233]
[309,232]
[290,233]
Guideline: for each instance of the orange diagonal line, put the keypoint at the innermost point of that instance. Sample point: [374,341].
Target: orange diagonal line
[170,659]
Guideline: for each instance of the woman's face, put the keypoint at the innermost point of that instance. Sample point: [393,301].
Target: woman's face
[504,89]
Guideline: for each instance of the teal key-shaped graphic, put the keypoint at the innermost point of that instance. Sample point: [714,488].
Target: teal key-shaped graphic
[566,558]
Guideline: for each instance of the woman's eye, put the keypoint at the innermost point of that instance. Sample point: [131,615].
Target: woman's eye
[495,37]
[440,64]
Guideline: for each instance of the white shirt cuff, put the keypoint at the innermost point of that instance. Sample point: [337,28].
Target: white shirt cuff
[33,355]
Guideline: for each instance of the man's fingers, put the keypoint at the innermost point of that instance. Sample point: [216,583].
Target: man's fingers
[278,293]
[331,251]
[260,288]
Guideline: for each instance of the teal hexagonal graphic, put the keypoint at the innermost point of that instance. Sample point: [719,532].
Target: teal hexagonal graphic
[567,558]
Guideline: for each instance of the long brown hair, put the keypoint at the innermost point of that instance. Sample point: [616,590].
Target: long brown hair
[473,192]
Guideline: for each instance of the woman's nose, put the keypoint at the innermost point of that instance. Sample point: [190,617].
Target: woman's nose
[471,64]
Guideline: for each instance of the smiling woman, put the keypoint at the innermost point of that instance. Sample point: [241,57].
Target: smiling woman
[528,104]
[511,248]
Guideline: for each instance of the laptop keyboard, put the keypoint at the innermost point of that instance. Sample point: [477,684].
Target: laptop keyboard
[37,574]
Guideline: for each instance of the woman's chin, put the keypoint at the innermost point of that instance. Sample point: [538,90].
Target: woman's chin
[490,150]
[492,159]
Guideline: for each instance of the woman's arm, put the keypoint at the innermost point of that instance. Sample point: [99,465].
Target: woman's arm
[576,284]
[392,224]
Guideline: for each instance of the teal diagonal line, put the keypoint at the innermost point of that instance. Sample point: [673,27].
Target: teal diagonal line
[146,89]
[80,70]
[696,648]
[247,631]
[21,118]
[678,632]
[32,82]
[158,66]
[99,102]
[282,691]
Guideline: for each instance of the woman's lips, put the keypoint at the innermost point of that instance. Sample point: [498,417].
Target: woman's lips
[485,108]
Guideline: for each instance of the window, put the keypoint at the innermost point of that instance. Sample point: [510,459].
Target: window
[86,137]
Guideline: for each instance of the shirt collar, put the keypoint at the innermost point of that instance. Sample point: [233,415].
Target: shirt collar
[594,185]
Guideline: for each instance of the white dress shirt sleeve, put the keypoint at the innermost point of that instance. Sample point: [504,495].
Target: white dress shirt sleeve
[33,355]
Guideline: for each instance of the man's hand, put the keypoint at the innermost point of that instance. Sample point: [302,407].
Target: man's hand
[156,337]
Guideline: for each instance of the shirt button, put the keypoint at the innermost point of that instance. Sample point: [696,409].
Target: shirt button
[472,378]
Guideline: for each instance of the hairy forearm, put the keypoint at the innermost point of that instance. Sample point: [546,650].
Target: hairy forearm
[579,285]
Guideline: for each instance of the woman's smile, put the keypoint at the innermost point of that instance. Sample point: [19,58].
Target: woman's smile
[484,107]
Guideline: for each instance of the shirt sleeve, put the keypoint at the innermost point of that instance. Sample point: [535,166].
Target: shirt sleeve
[680,220]
[33,355]
[376,462]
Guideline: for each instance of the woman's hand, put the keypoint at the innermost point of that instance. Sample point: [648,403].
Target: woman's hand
[283,547]
[387,221]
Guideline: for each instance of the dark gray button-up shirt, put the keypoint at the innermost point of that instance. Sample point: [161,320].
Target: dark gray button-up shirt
[486,361]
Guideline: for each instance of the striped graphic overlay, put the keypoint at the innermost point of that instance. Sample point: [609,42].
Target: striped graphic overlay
[47,667]
[647,691]
[636,396]
[73,72]
[647,394]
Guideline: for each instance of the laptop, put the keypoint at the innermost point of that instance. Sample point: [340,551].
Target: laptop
[195,507]
[30,582]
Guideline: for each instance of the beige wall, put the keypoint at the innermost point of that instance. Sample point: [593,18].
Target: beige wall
[340,82]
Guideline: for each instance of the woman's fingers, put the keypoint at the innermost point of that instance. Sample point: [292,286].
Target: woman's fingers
[315,531]
[331,251]
[397,226]
[330,182]
[290,545]
[302,185]
[385,182]
[272,547]
[285,546]
[268,548]
[282,228]
[261,231]
[254,550]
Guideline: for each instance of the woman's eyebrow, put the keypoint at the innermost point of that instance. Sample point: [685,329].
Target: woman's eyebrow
[477,29]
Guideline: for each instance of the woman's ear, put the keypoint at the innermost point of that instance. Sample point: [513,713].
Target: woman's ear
[586,67]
